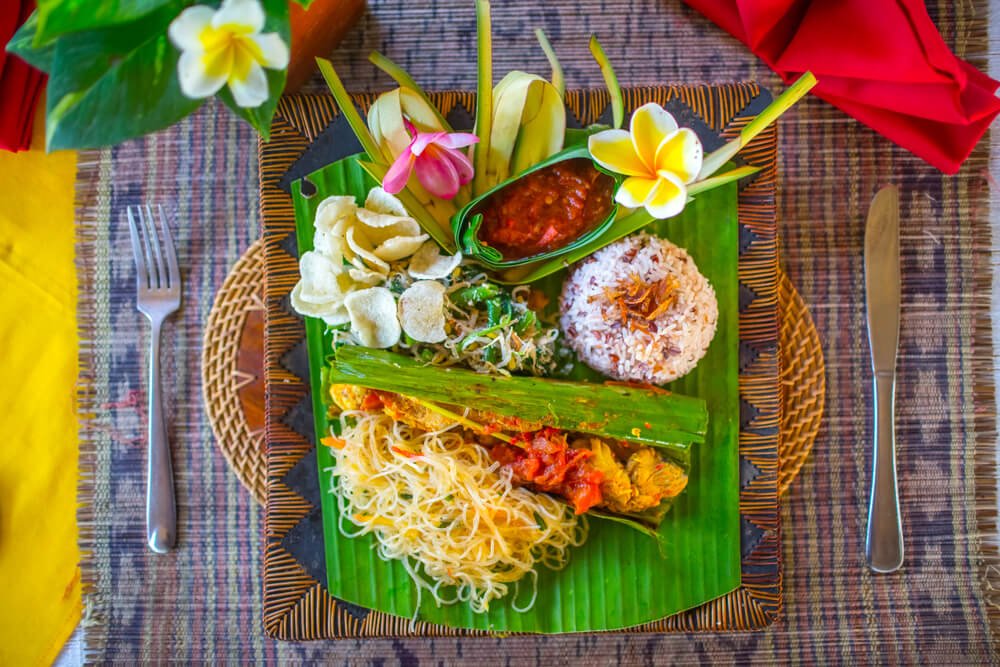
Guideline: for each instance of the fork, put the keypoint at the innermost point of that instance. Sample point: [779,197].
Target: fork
[158,289]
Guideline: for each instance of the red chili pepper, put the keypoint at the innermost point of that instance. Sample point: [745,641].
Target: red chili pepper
[371,401]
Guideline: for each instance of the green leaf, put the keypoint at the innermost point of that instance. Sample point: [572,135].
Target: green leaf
[720,156]
[346,105]
[22,44]
[304,3]
[113,84]
[403,78]
[558,79]
[616,411]
[260,117]
[61,17]
[618,578]
[484,96]
[610,80]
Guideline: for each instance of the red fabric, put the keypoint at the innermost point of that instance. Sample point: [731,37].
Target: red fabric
[20,84]
[881,61]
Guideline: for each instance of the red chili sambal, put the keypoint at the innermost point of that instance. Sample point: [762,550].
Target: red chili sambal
[546,210]
[546,461]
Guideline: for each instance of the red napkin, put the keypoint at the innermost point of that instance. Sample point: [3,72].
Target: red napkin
[881,61]
[20,84]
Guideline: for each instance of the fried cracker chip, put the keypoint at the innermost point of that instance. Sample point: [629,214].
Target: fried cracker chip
[373,317]
[428,263]
[380,201]
[361,248]
[421,311]
[366,277]
[322,281]
[325,242]
[399,247]
[332,209]
[321,309]
[393,233]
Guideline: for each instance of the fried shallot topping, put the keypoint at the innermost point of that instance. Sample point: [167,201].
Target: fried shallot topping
[639,303]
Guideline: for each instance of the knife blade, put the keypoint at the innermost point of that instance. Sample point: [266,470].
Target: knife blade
[884,540]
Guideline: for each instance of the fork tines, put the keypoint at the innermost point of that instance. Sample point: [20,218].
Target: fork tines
[155,259]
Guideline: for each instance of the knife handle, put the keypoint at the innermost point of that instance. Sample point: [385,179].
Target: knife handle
[884,543]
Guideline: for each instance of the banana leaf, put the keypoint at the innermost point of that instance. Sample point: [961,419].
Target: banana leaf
[620,577]
[642,415]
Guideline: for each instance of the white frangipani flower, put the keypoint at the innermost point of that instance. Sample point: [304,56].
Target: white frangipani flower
[226,46]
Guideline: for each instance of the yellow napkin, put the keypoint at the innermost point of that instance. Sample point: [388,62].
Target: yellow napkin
[39,578]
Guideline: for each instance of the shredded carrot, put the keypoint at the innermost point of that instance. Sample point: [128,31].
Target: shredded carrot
[404,452]
[333,442]
[537,300]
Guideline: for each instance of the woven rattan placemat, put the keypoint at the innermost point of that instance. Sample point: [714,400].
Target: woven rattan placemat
[309,133]
[233,343]
[232,370]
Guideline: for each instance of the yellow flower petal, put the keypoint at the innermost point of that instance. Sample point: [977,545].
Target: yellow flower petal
[217,62]
[634,191]
[246,54]
[668,197]
[680,154]
[650,125]
[613,150]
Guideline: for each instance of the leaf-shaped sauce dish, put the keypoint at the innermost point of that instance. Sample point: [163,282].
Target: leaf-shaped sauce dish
[544,212]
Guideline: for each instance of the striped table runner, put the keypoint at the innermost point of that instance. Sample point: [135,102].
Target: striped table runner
[202,603]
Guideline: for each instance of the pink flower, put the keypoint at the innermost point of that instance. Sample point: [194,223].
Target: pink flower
[441,168]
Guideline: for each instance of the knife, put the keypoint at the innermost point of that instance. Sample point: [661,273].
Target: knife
[884,542]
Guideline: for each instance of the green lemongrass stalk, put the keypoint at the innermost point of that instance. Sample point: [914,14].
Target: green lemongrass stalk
[648,416]
[484,98]
[610,80]
[346,104]
[634,524]
[721,179]
[403,78]
[557,72]
[714,161]
[465,421]
[419,211]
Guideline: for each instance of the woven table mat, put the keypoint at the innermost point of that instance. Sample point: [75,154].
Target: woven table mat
[202,603]
[232,366]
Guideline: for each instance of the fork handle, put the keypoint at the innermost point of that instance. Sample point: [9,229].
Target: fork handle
[161,512]
[884,543]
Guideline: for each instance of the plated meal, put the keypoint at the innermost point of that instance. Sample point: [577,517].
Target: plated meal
[494,315]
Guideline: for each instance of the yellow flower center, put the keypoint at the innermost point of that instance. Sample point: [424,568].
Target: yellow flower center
[229,51]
